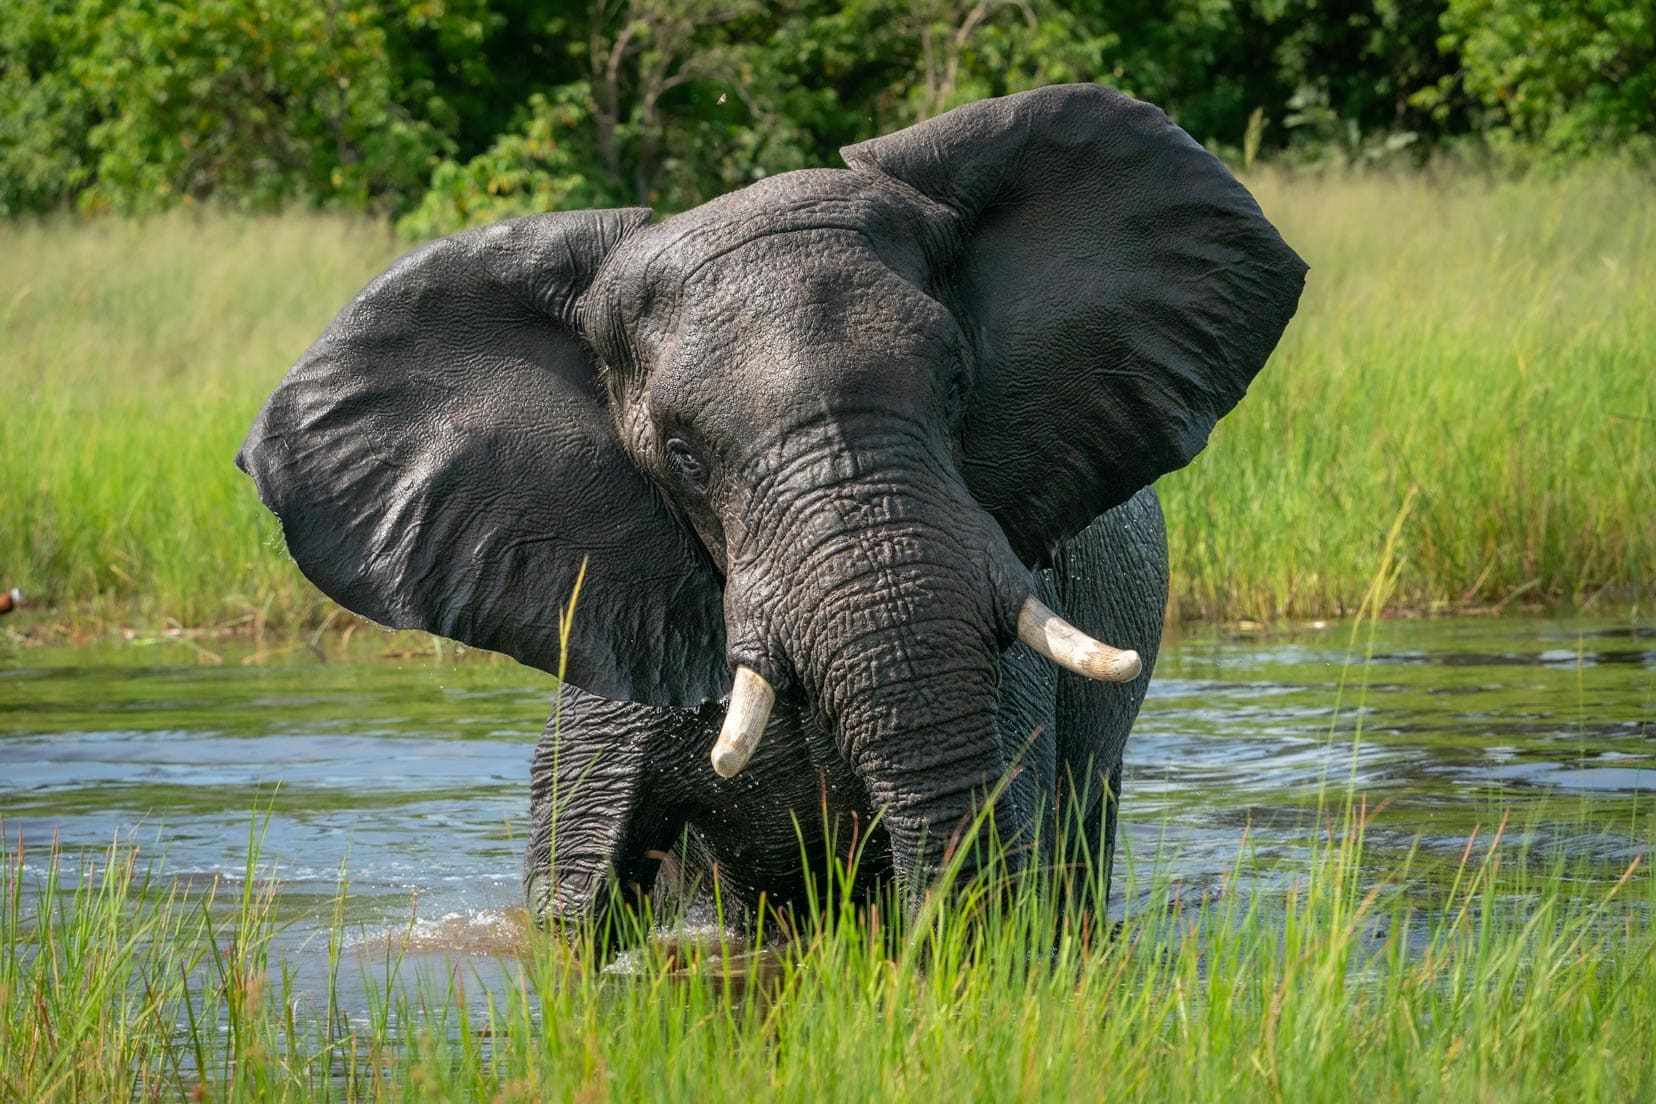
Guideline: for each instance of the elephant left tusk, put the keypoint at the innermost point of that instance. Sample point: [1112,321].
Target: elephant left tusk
[1072,649]
[751,699]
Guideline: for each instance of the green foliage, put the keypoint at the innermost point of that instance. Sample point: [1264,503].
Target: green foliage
[539,167]
[254,101]
[950,52]
[683,95]
[134,106]
[1328,81]
[1513,975]
[45,114]
[1560,79]
[507,105]
[680,101]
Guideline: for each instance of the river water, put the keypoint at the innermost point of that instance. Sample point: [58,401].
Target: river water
[407,774]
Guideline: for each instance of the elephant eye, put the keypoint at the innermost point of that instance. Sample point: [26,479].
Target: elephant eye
[686,463]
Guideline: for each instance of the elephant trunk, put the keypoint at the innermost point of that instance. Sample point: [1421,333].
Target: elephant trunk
[927,749]
[1049,635]
[912,595]
[911,694]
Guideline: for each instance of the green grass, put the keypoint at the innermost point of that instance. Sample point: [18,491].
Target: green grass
[1492,348]
[132,359]
[1508,977]
[1489,345]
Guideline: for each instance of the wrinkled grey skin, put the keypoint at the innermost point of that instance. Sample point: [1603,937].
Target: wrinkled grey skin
[835,427]
[628,779]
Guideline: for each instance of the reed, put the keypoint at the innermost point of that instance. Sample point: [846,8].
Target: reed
[1518,966]
[1486,345]
[1512,974]
[133,358]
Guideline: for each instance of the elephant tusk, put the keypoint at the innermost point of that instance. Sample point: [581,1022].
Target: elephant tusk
[751,699]
[1072,649]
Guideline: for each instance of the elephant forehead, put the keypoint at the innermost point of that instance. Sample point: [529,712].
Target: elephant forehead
[807,311]
[763,235]
[803,288]
[808,318]
[892,218]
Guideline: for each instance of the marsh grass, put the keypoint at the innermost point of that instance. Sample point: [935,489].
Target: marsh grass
[1516,970]
[1512,974]
[1490,348]
[1489,345]
[133,357]
[1510,968]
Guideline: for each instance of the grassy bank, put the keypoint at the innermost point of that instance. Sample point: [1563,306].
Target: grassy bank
[134,357]
[1490,346]
[1516,978]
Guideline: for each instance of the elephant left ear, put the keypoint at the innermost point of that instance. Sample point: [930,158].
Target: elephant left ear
[1121,287]
[445,458]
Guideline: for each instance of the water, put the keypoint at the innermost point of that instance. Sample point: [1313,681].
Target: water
[1443,728]
[408,774]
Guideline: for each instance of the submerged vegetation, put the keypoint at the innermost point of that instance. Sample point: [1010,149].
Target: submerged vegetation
[1506,975]
[1480,346]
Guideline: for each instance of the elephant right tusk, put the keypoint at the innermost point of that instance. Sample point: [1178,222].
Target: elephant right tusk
[751,699]
[1072,649]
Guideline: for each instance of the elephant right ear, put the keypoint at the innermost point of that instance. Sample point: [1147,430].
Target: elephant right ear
[444,458]
[1121,290]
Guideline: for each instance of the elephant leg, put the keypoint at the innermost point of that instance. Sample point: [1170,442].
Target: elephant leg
[601,819]
[1112,582]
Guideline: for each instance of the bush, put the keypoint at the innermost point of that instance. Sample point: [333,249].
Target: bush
[538,167]
[1557,80]
[134,106]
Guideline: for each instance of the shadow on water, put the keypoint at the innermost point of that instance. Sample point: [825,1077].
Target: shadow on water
[409,779]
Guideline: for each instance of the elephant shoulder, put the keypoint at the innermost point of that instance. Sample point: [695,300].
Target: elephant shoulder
[1111,577]
[1134,529]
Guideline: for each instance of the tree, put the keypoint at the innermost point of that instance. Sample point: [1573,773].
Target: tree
[45,114]
[970,49]
[254,102]
[134,105]
[1565,79]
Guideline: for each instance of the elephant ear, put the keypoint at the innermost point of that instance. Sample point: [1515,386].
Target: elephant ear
[1121,287]
[444,458]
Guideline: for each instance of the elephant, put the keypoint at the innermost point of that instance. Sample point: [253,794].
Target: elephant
[820,498]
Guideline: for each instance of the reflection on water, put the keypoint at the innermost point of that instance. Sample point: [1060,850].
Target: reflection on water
[410,777]
[1441,725]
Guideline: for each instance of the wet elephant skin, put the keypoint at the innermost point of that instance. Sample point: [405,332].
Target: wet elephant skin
[835,428]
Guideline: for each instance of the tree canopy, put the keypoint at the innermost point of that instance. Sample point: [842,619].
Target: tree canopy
[448,113]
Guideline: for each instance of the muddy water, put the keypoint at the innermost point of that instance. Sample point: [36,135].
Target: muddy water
[408,775]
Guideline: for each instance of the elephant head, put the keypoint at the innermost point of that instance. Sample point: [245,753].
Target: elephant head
[815,432]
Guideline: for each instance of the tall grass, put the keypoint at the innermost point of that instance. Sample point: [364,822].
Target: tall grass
[1490,345]
[1514,977]
[1494,347]
[133,356]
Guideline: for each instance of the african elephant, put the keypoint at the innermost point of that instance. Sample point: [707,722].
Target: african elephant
[828,447]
